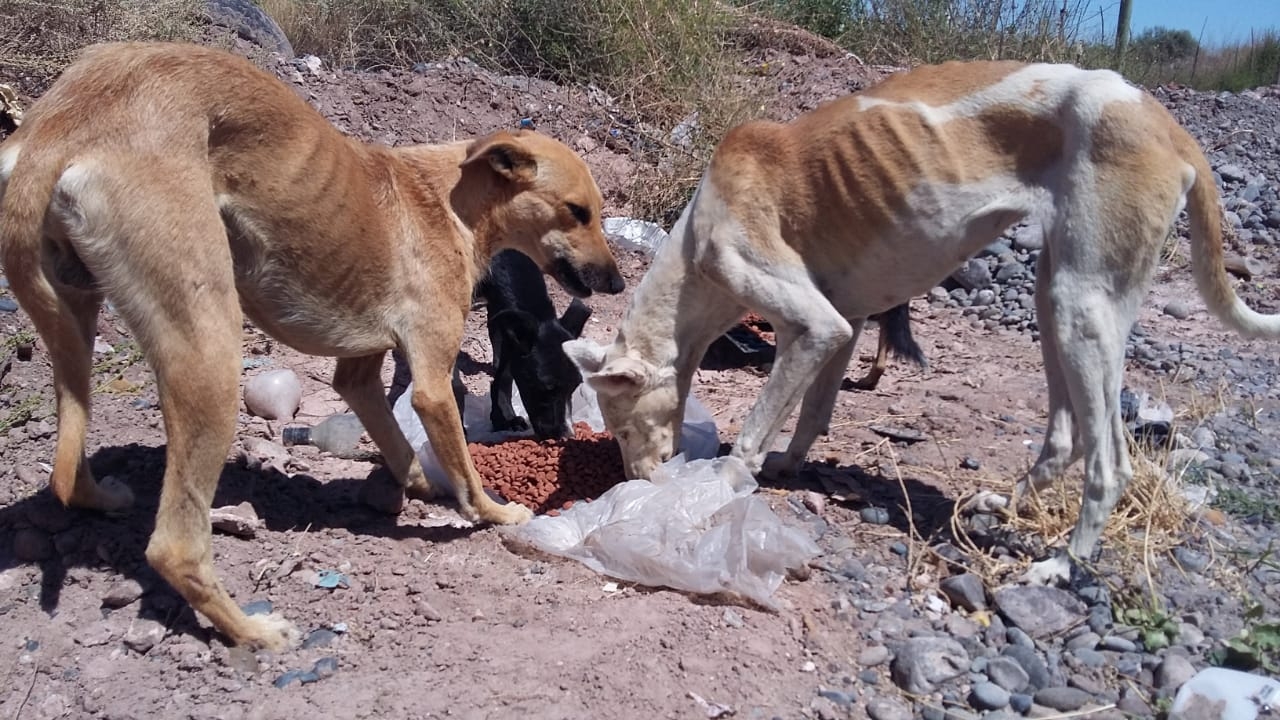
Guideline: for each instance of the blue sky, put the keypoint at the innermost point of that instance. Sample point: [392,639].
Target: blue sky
[1223,20]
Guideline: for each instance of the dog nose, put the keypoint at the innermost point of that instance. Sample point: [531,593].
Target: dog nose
[606,280]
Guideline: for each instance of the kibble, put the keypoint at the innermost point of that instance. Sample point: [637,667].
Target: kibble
[551,475]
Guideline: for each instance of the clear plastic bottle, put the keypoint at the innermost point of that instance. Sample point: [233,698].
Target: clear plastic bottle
[336,434]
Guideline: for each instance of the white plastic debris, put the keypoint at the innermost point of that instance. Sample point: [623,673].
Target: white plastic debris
[274,395]
[694,526]
[635,234]
[1225,694]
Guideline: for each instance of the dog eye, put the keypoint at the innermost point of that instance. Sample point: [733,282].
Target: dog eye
[581,214]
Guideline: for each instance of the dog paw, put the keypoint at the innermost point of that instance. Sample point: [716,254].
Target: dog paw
[272,632]
[780,466]
[1054,571]
[509,514]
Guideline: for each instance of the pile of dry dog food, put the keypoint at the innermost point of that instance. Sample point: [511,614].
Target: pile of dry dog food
[551,475]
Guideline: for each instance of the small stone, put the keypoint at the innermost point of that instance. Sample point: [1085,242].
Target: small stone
[122,593]
[1173,672]
[32,545]
[732,619]
[873,655]
[143,635]
[426,610]
[1190,560]
[1020,703]
[96,634]
[969,463]
[973,275]
[923,663]
[888,708]
[1063,699]
[324,667]
[874,515]
[1040,611]
[1007,673]
[319,638]
[257,607]
[1118,644]
[1084,641]
[1177,309]
[966,591]
[239,520]
[870,677]
[988,696]
[1037,672]
[842,699]
[899,548]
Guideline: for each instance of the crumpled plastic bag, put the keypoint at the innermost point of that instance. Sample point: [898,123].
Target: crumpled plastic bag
[694,526]
[698,437]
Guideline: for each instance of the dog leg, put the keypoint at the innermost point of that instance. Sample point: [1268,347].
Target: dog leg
[68,334]
[815,410]
[430,353]
[872,378]
[1061,449]
[809,332]
[359,381]
[184,313]
[1088,334]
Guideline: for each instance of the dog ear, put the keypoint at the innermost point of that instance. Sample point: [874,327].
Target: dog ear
[575,317]
[620,376]
[588,355]
[518,329]
[505,155]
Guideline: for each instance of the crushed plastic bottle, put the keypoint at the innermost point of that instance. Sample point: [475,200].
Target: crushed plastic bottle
[336,434]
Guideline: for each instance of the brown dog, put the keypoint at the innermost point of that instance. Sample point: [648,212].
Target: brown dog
[171,179]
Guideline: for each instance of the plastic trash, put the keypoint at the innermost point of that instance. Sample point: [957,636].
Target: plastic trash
[635,234]
[694,526]
[698,437]
[1224,694]
[336,434]
[273,395]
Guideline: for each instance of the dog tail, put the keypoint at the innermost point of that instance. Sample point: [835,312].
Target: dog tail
[897,323]
[25,194]
[1205,215]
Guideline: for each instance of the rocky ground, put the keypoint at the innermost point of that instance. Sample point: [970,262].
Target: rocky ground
[909,611]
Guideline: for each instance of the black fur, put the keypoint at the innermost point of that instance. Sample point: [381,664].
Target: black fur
[527,340]
[897,322]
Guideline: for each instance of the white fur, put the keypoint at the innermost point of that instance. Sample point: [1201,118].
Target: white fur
[722,259]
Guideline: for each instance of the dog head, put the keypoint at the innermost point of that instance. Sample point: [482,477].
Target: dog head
[641,404]
[533,352]
[550,209]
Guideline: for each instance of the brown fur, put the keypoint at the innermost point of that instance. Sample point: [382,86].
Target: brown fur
[187,186]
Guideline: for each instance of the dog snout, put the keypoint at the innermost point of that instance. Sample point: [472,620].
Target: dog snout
[605,279]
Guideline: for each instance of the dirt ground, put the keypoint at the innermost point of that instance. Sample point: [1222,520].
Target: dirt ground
[445,620]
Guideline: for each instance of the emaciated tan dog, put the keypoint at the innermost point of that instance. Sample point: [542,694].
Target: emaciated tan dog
[868,200]
[189,187]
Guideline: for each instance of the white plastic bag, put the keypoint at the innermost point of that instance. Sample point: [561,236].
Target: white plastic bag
[1225,694]
[698,437]
[695,526]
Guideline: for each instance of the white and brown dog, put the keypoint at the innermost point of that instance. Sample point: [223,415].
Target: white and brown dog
[192,189]
[873,198]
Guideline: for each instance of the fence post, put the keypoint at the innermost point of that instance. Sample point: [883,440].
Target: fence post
[1122,32]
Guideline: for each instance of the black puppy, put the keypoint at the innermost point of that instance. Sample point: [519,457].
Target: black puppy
[526,337]
[527,341]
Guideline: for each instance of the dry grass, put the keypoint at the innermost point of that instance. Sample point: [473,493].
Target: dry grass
[40,38]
